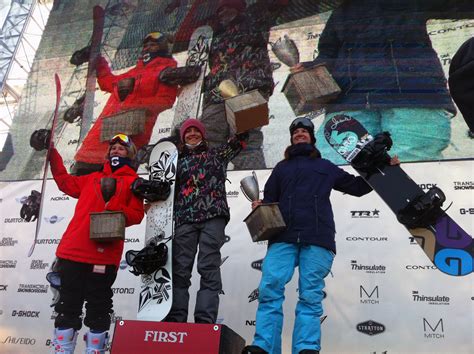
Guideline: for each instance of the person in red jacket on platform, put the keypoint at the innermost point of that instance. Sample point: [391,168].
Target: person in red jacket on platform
[88,268]
[138,88]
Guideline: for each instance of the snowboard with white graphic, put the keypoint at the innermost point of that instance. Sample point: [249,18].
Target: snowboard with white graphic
[156,294]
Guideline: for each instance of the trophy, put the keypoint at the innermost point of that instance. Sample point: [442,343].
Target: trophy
[107,225]
[125,87]
[307,90]
[244,111]
[265,221]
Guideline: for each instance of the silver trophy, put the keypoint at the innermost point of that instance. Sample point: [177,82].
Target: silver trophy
[249,186]
[286,51]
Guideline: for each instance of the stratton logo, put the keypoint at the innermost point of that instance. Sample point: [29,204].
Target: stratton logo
[53,219]
[368,268]
[431,300]
[123,290]
[22,313]
[257,264]
[365,214]
[253,295]
[3,287]
[463,185]
[367,238]
[466,211]
[132,240]
[232,194]
[7,264]
[433,332]
[8,242]
[38,264]
[370,327]
[19,340]
[165,337]
[420,267]
[32,288]
[59,198]
[48,241]
[366,295]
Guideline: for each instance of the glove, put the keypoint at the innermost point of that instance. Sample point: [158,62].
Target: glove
[180,76]
[39,140]
[30,208]
[152,191]
[113,204]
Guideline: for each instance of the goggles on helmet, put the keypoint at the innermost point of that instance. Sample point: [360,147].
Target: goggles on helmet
[153,37]
[302,122]
[122,139]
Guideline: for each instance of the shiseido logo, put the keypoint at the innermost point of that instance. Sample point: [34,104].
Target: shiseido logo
[3,287]
[33,288]
[59,198]
[463,185]
[369,296]
[38,264]
[435,331]
[466,211]
[367,238]
[373,268]
[8,242]
[365,214]
[253,295]
[420,267]
[370,327]
[53,219]
[23,313]
[19,340]
[165,337]
[232,194]
[431,300]
[257,264]
[123,290]
[8,264]
[14,220]
[132,240]
[48,241]
[426,186]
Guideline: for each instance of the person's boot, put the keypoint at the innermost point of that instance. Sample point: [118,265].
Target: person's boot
[96,343]
[253,349]
[309,351]
[64,341]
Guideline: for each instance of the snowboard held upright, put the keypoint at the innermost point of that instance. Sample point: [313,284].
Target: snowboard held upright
[446,244]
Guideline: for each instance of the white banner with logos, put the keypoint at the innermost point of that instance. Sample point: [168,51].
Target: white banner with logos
[383,296]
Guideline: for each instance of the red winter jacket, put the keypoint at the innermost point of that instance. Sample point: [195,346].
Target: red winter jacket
[75,244]
[148,93]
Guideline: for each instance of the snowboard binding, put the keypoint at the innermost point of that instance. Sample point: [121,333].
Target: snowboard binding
[31,206]
[152,191]
[147,260]
[424,210]
[374,154]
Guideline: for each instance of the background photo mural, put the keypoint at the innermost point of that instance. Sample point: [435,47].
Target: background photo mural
[388,82]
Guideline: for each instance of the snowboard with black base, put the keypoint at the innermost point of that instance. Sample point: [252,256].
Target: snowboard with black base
[153,263]
[448,245]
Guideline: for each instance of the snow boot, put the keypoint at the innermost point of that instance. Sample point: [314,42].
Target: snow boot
[96,343]
[64,341]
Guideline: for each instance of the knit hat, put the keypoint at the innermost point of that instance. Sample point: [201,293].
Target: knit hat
[304,123]
[191,122]
[239,5]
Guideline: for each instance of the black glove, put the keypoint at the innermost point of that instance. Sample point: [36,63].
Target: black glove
[374,154]
[39,140]
[30,209]
[180,76]
[80,56]
[152,191]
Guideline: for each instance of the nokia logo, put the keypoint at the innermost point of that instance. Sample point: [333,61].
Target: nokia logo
[165,337]
[59,198]
[132,240]
[374,268]
[365,214]
[257,264]
[8,242]
[53,219]
[463,185]
[38,264]
[431,300]
[368,296]
[370,327]
[435,331]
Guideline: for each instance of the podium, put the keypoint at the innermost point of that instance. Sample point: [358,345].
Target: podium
[175,338]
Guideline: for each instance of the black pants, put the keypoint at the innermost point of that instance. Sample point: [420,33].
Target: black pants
[82,282]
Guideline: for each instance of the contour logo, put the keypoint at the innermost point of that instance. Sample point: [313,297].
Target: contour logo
[53,219]
[370,327]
